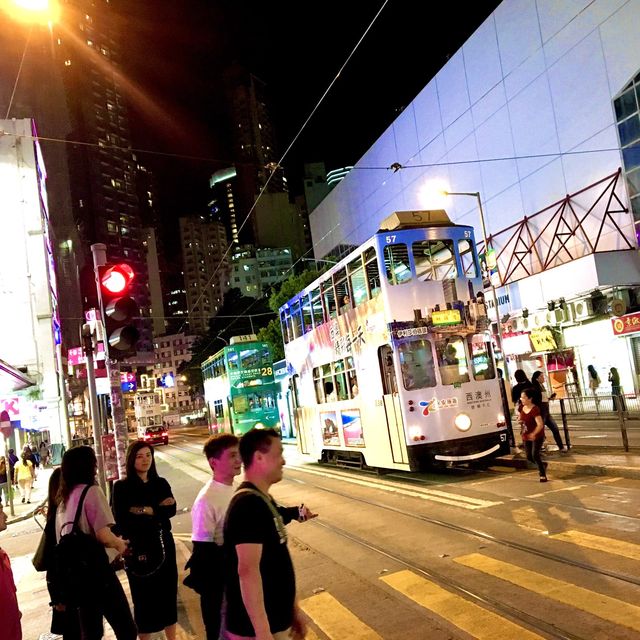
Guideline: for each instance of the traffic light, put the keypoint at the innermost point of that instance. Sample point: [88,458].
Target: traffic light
[120,309]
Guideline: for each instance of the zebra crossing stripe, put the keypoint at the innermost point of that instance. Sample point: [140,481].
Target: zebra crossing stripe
[478,622]
[597,604]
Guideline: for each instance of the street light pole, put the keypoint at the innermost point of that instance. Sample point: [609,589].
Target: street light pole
[494,296]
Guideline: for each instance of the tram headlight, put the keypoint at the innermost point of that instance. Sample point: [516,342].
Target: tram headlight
[258,425]
[462,422]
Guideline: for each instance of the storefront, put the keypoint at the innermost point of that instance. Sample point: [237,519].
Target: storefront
[596,343]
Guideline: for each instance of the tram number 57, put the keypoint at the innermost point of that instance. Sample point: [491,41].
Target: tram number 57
[390,239]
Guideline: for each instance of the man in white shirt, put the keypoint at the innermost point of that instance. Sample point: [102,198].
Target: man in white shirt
[207,517]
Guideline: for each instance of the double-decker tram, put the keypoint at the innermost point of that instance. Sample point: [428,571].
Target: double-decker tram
[392,361]
[240,388]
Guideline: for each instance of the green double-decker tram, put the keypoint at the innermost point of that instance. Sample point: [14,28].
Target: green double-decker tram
[239,387]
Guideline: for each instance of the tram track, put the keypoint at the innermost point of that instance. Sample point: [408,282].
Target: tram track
[478,597]
[452,526]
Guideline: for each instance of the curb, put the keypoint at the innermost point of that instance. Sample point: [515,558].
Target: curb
[584,468]
[28,515]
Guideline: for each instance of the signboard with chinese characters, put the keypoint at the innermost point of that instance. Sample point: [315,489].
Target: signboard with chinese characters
[109,457]
[623,325]
[516,344]
[543,340]
[446,317]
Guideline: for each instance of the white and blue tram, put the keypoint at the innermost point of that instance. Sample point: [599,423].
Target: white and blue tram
[391,356]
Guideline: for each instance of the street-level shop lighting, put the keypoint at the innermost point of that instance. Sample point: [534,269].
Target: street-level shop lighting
[32,11]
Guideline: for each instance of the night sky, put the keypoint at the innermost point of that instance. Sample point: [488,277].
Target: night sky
[175,52]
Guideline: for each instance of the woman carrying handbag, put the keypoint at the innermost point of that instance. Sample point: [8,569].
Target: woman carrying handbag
[143,505]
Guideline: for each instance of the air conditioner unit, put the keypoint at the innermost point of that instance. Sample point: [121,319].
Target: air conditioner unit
[540,319]
[525,324]
[583,309]
[569,312]
[557,316]
[516,324]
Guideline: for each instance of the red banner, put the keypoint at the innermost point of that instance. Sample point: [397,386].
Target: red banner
[626,324]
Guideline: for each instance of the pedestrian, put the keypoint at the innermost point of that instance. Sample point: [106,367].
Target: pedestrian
[43,452]
[64,621]
[594,383]
[10,627]
[261,589]
[532,430]
[143,505]
[24,475]
[4,479]
[616,390]
[78,470]
[207,523]
[522,382]
[538,383]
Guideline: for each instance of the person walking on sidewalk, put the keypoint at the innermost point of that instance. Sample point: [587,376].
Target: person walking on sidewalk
[594,383]
[261,585]
[10,626]
[616,390]
[24,475]
[4,479]
[207,522]
[538,383]
[143,505]
[532,430]
[79,469]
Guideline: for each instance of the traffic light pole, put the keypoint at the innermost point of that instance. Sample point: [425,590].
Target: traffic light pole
[99,252]
[88,346]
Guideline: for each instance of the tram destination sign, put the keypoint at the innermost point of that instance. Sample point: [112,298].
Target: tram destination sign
[401,330]
[446,317]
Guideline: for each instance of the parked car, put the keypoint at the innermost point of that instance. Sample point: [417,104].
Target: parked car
[154,435]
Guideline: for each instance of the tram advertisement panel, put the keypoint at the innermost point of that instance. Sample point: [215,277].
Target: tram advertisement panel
[352,428]
[329,422]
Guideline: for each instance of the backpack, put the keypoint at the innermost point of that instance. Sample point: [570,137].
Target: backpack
[80,564]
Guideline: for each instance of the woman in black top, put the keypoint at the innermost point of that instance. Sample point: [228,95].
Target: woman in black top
[143,505]
[538,383]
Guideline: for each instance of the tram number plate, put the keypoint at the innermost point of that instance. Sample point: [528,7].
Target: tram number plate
[379,402]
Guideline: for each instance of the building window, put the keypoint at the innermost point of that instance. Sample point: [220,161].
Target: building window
[627,109]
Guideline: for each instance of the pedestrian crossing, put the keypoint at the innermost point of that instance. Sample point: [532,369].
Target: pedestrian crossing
[332,618]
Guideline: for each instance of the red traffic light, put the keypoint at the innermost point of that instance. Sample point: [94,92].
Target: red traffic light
[117,279]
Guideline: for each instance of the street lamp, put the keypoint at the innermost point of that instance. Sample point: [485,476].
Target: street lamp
[476,195]
[32,11]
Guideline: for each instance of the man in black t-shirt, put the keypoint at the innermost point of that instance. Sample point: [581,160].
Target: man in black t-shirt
[261,586]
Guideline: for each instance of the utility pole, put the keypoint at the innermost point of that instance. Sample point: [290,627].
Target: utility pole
[99,252]
[86,337]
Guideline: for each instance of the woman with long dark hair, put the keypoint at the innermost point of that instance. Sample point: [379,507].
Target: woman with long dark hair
[143,505]
[537,380]
[78,470]
[532,430]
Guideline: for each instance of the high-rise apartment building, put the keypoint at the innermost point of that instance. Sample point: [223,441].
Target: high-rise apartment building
[206,269]
[255,271]
[102,167]
[222,205]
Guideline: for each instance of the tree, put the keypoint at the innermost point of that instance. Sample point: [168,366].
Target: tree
[273,335]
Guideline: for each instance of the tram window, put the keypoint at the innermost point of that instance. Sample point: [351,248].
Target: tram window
[306,313]
[434,259]
[267,360]
[232,360]
[452,360]
[357,281]
[296,320]
[481,360]
[240,404]
[467,259]
[318,385]
[371,272]
[249,359]
[283,327]
[416,364]
[342,290]
[352,380]
[329,299]
[396,260]
[316,308]
[340,380]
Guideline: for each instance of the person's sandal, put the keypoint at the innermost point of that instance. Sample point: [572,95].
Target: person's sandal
[543,479]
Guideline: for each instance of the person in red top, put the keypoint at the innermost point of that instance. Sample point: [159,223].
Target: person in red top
[532,430]
[9,612]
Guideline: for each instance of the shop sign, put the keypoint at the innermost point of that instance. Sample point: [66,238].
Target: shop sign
[626,324]
[109,457]
[516,344]
[445,317]
[543,340]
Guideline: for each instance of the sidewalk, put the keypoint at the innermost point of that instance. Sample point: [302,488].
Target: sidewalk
[38,497]
[583,460]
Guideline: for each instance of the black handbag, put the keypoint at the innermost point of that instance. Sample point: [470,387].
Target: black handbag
[147,555]
[42,558]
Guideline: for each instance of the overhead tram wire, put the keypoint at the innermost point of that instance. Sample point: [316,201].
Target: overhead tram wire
[278,164]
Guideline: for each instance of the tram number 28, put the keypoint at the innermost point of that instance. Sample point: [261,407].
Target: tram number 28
[266,371]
